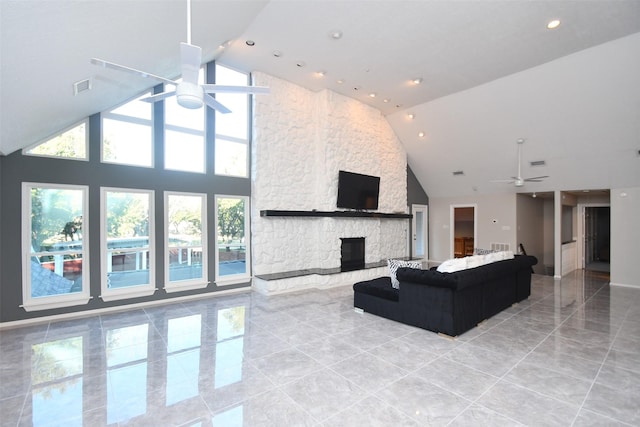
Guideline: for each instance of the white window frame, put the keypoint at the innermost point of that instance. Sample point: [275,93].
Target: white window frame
[198,283]
[228,138]
[129,291]
[128,119]
[30,303]
[25,151]
[234,278]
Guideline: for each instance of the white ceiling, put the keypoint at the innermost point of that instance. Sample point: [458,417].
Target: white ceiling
[452,45]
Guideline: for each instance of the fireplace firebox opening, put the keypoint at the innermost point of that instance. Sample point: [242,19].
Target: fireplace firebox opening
[351,253]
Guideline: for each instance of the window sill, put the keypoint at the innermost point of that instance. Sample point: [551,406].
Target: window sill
[56,302]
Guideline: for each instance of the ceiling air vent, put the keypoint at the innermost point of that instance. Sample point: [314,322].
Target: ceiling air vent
[458,173]
[538,163]
[81,86]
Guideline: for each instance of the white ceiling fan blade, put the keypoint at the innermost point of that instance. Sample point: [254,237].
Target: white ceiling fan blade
[114,66]
[159,96]
[536,178]
[213,103]
[212,88]
[508,181]
[191,57]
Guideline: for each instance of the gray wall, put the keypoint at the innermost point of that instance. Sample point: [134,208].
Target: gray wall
[625,235]
[16,169]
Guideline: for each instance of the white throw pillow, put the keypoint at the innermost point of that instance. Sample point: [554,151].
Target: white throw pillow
[476,260]
[395,264]
[453,265]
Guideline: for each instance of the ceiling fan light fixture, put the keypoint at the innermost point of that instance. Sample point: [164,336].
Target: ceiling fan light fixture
[189,95]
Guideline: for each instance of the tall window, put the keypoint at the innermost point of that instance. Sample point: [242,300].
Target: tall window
[70,144]
[184,147]
[232,257]
[55,264]
[128,254]
[127,134]
[232,129]
[185,237]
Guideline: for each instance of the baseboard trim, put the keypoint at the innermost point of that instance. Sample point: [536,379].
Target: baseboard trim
[117,309]
[624,285]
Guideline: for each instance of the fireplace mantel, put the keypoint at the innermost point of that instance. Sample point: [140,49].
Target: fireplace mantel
[334,214]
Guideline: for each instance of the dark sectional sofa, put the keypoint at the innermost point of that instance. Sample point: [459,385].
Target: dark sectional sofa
[449,303]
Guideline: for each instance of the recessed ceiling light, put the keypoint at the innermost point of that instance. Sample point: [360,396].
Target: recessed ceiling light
[300,64]
[421,134]
[386,100]
[340,81]
[335,34]
[553,24]
[277,53]
[417,80]
[250,43]
[321,73]
[372,95]
[411,116]
[356,88]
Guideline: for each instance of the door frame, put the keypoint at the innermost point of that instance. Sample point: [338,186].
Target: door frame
[582,211]
[425,227]
[452,225]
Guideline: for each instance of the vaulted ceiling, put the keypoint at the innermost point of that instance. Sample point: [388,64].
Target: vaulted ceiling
[356,48]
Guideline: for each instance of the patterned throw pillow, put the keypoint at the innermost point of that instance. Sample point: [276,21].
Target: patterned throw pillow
[395,264]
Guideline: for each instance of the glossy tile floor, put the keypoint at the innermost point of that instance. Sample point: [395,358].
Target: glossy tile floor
[569,355]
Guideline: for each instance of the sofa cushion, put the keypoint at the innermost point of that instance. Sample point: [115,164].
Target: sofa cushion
[380,287]
[394,264]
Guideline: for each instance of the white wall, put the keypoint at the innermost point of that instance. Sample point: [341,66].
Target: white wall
[300,142]
[625,236]
[496,216]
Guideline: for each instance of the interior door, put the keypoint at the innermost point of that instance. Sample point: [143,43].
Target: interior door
[419,225]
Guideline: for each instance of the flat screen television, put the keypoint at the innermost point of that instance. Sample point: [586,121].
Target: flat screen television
[357,191]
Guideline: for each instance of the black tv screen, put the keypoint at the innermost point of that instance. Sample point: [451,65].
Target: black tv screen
[357,191]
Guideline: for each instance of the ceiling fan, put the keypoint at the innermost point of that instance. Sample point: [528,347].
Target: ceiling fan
[518,181]
[188,92]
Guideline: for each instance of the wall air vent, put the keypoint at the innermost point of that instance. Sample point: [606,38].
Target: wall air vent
[538,163]
[458,173]
[81,86]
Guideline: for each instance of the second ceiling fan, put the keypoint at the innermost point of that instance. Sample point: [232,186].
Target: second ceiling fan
[518,180]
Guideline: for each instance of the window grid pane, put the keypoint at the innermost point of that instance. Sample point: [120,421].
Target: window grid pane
[231,245]
[186,251]
[127,232]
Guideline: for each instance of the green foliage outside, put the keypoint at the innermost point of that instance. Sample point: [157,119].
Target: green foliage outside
[127,214]
[51,209]
[71,144]
[230,220]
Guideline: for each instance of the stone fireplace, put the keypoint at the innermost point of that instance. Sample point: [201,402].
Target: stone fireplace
[351,253]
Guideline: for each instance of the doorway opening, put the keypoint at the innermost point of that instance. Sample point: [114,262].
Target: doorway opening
[597,238]
[419,226]
[463,230]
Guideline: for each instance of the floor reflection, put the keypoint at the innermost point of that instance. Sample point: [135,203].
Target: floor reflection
[296,359]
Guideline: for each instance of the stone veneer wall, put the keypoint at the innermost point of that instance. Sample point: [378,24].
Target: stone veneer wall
[301,139]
